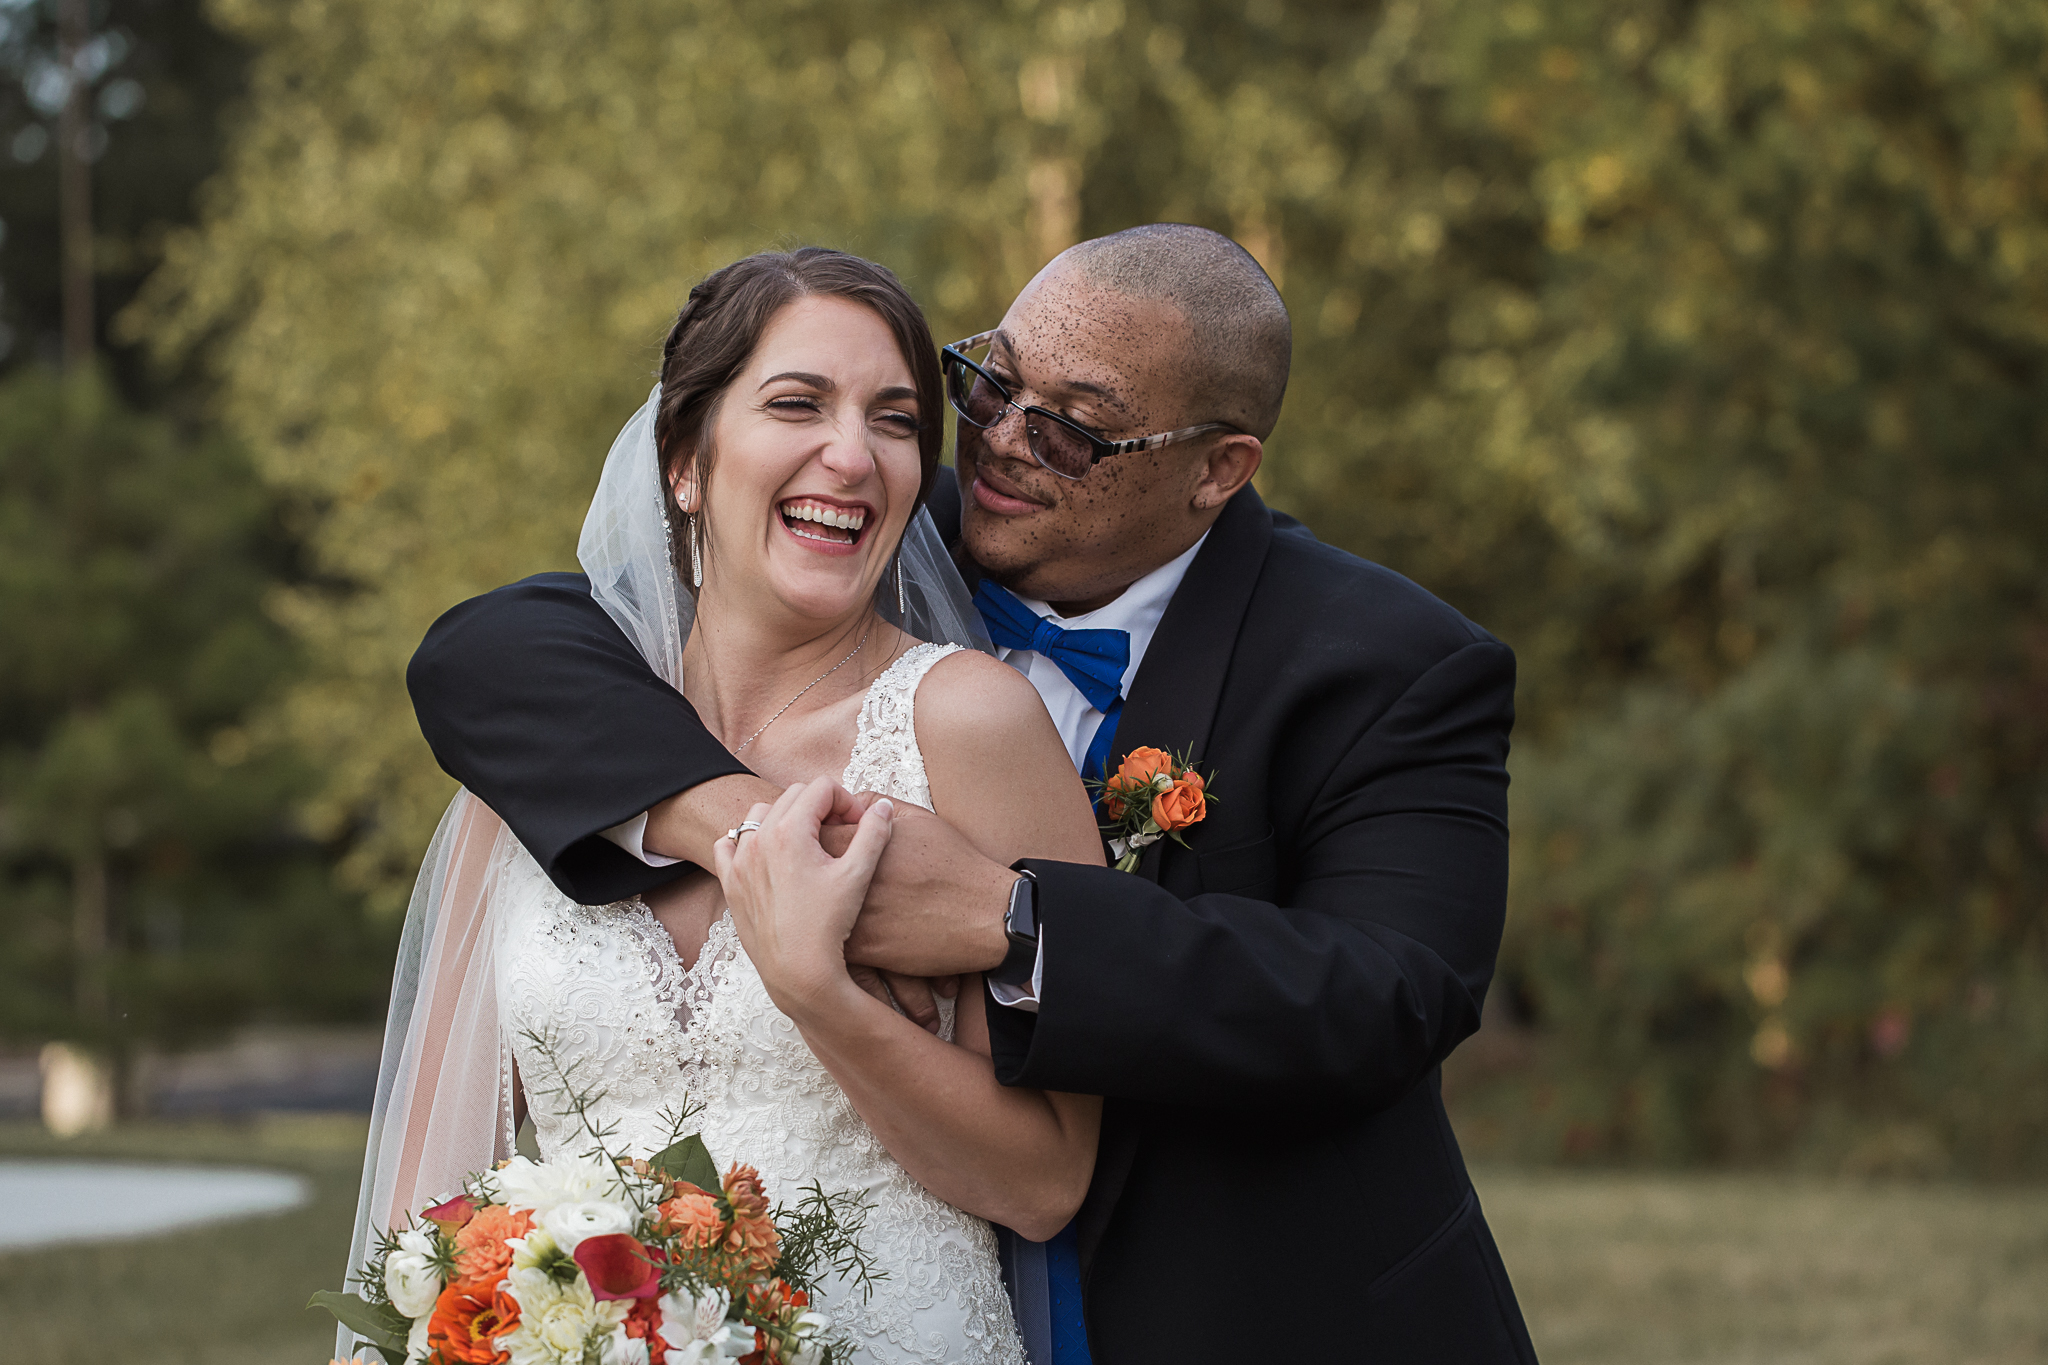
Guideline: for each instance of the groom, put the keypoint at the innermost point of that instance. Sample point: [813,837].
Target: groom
[1264,1010]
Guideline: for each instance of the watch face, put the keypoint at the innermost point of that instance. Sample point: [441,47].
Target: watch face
[1021,920]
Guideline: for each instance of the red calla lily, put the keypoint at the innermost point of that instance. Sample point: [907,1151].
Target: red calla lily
[452,1214]
[618,1267]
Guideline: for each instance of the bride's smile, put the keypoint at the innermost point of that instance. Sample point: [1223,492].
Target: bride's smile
[831,527]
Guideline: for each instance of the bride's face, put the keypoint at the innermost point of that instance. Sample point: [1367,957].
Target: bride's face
[814,464]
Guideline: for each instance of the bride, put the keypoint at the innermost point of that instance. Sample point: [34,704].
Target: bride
[757,532]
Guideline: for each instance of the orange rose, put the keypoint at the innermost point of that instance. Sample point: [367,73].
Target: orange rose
[1143,765]
[1132,784]
[467,1316]
[480,1250]
[1180,805]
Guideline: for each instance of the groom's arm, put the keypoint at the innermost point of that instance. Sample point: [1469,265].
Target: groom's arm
[533,699]
[1347,995]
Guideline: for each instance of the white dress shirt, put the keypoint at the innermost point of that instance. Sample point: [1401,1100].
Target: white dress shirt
[1138,609]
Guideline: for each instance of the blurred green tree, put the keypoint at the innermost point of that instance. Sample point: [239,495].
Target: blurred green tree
[1782,396]
[1695,348]
[153,885]
[158,77]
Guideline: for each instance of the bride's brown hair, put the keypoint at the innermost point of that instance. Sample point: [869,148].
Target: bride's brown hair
[722,322]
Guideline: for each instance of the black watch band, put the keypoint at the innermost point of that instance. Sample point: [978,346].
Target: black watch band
[1020,926]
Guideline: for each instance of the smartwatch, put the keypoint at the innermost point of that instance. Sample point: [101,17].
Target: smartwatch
[1020,926]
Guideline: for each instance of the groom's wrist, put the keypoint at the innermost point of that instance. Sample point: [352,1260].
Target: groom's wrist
[988,945]
[1020,933]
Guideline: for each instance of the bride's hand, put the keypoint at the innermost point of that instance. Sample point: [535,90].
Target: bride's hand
[794,903]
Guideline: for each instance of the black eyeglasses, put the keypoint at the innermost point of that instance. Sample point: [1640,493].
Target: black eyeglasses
[1061,445]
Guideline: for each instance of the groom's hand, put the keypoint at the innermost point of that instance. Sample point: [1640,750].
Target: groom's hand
[935,906]
[916,997]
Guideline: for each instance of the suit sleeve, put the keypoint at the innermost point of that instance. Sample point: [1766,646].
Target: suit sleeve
[533,699]
[1352,991]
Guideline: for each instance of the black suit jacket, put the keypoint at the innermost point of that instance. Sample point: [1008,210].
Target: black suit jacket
[1264,1010]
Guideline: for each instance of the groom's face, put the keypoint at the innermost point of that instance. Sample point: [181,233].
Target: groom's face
[1115,365]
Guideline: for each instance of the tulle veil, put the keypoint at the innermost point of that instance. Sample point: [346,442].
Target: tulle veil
[444,1086]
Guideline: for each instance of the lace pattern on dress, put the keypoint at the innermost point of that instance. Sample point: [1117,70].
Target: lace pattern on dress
[606,983]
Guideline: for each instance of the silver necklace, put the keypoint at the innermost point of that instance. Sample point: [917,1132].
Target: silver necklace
[807,687]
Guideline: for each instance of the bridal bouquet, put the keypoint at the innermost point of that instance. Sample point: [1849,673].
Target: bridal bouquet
[1154,795]
[594,1260]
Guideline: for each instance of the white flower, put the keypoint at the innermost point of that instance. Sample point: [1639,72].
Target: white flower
[806,1329]
[410,1277]
[540,1186]
[557,1322]
[530,1251]
[416,1340]
[569,1224]
[620,1349]
[696,1332]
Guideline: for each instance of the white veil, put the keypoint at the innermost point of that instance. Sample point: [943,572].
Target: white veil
[444,1088]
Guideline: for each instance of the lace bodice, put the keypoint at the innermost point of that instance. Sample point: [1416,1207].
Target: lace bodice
[626,1018]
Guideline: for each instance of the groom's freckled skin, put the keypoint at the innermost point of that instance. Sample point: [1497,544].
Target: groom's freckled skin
[1115,364]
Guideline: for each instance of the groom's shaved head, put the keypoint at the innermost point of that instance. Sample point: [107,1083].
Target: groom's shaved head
[1139,334]
[1240,342]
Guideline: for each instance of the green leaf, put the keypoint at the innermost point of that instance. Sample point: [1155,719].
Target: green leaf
[688,1160]
[384,1328]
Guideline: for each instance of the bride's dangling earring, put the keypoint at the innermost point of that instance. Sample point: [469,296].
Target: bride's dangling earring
[696,555]
[902,611]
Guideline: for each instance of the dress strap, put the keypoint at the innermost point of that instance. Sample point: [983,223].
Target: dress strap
[885,755]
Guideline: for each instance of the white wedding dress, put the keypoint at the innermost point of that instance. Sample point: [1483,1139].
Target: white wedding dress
[604,983]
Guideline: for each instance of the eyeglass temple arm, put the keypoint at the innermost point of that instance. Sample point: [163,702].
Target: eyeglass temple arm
[973,342]
[1132,447]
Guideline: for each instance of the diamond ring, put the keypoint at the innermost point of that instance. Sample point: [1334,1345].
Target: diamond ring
[744,827]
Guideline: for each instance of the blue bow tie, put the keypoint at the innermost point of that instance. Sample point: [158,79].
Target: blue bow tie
[1093,660]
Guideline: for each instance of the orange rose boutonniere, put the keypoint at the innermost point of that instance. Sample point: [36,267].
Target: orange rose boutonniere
[1152,796]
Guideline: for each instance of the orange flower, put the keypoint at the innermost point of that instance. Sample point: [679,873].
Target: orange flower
[773,1302]
[480,1250]
[1180,805]
[1135,779]
[644,1324]
[1142,765]
[752,1235]
[693,1214]
[467,1316]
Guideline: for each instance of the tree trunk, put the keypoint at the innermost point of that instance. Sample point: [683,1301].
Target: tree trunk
[81,1081]
[89,937]
[74,188]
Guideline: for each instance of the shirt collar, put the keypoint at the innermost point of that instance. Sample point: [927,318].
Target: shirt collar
[1137,609]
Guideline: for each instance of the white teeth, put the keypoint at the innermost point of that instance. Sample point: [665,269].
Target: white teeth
[825,516]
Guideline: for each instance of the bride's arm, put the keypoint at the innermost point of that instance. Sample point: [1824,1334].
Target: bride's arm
[998,771]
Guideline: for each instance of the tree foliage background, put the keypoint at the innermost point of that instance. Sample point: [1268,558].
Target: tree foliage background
[156,885]
[1696,348]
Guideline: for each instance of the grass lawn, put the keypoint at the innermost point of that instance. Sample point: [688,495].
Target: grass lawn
[230,1294]
[1613,1269]
[1636,1269]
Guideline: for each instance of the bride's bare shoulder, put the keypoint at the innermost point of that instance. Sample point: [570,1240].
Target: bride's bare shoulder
[997,767]
[972,705]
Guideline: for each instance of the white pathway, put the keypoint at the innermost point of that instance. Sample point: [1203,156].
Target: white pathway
[52,1202]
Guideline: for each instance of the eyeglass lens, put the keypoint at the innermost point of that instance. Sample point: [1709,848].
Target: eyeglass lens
[982,401]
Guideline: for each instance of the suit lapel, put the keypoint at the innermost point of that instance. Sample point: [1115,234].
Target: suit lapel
[1172,705]
[1172,701]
